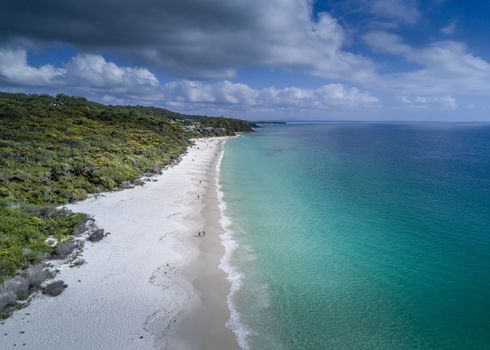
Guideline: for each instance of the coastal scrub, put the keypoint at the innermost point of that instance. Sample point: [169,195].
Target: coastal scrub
[59,149]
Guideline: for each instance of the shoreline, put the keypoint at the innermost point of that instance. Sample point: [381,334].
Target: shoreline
[209,281]
[142,286]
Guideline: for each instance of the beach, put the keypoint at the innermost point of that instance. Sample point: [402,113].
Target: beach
[153,283]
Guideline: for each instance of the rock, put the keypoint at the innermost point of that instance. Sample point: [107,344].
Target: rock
[7,299]
[78,261]
[42,256]
[15,286]
[65,248]
[36,274]
[126,184]
[81,228]
[139,182]
[156,169]
[96,235]
[88,225]
[54,288]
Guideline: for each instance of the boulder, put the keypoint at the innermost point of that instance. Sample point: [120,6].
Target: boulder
[139,182]
[83,226]
[96,235]
[78,261]
[54,288]
[17,285]
[65,248]
[7,299]
[36,274]
[126,184]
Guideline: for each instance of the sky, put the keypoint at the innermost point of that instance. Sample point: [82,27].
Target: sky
[256,59]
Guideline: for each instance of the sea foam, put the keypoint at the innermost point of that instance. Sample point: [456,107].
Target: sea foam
[232,274]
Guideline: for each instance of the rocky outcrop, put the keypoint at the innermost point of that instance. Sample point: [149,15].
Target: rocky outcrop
[54,288]
[96,235]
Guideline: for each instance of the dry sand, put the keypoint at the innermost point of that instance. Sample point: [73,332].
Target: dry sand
[151,284]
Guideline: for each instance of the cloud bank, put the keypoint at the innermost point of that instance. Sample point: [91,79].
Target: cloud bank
[202,47]
[191,38]
[446,67]
[89,71]
[93,74]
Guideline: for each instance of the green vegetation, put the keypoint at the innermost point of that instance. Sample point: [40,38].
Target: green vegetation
[23,231]
[55,150]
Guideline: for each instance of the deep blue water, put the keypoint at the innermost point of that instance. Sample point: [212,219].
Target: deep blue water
[362,235]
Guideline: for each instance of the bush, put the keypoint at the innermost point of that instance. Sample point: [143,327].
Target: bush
[55,150]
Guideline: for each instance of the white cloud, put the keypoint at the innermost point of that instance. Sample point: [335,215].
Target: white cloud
[401,10]
[446,67]
[315,47]
[226,92]
[197,39]
[87,71]
[94,76]
[450,28]
[15,70]
[386,42]
[444,102]
[326,97]
[95,71]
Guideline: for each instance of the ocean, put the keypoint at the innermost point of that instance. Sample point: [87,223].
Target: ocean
[359,236]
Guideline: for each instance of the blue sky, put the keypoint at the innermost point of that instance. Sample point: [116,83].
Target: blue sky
[280,59]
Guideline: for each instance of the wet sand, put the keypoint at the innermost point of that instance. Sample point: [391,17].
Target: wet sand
[202,326]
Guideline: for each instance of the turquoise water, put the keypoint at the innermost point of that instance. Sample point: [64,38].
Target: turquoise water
[362,235]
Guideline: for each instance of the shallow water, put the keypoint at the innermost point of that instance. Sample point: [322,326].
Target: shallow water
[362,235]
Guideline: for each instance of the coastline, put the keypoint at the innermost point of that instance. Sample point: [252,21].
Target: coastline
[142,286]
[209,312]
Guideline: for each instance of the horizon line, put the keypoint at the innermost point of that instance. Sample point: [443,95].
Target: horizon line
[366,121]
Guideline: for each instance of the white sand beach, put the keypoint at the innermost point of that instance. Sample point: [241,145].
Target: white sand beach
[150,284]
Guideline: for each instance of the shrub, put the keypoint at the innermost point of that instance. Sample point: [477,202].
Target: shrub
[58,149]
